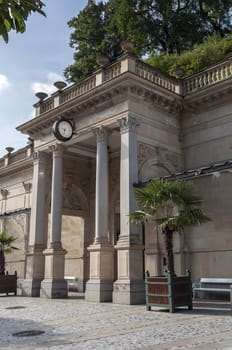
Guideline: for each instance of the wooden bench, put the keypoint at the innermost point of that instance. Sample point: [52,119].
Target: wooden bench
[214,287]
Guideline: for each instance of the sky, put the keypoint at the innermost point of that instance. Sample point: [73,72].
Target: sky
[32,62]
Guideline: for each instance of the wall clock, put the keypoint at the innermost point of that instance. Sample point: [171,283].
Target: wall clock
[63,129]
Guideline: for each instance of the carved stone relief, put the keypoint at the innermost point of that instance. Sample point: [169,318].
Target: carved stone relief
[146,152]
[71,198]
[155,162]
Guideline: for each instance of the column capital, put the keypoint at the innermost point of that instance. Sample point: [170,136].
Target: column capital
[39,156]
[101,133]
[128,124]
[27,186]
[57,150]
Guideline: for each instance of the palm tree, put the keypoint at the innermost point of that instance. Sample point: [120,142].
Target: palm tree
[172,205]
[5,248]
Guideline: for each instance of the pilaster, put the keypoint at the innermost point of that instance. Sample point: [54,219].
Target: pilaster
[37,236]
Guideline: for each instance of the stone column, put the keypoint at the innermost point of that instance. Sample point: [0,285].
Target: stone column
[38,230]
[54,284]
[129,287]
[100,285]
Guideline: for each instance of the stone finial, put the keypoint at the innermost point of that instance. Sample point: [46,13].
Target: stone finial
[60,85]
[177,72]
[41,95]
[102,60]
[9,150]
[127,46]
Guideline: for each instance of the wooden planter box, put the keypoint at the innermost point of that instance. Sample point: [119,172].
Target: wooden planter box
[168,291]
[8,283]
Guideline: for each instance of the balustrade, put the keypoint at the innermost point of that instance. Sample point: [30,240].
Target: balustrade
[208,77]
[153,75]
[112,72]
[179,86]
[78,89]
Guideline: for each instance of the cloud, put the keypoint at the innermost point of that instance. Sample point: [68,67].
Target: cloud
[4,82]
[48,85]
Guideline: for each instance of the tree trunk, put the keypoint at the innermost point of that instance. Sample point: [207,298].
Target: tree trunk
[168,240]
[2,262]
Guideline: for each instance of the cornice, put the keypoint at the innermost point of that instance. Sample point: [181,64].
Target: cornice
[105,95]
[16,167]
[208,96]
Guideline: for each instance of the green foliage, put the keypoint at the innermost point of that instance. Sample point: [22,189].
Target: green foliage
[168,203]
[14,13]
[6,242]
[170,24]
[171,205]
[87,40]
[99,29]
[157,28]
[211,51]
[216,15]
[6,247]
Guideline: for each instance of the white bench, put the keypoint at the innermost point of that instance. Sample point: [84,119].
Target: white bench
[215,286]
[72,283]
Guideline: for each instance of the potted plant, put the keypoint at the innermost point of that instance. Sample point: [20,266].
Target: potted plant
[172,205]
[8,283]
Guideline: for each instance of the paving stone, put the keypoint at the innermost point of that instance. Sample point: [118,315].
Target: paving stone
[75,324]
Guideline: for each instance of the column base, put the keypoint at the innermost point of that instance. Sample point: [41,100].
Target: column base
[99,291]
[129,292]
[30,288]
[99,288]
[54,289]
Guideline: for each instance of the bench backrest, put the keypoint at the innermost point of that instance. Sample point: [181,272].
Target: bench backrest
[216,280]
[216,283]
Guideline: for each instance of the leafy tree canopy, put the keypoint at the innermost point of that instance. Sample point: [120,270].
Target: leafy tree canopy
[14,14]
[155,27]
[211,51]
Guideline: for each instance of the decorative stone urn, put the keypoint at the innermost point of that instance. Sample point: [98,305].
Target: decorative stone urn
[168,291]
[8,283]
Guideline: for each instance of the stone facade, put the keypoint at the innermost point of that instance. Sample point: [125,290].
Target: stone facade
[68,202]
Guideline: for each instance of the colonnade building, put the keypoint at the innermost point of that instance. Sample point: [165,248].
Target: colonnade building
[66,196]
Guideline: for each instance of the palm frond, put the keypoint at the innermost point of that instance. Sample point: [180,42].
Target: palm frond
[169,203]
[6,241]
[139,217]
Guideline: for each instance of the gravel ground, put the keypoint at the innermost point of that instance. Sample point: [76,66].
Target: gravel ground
[75,324]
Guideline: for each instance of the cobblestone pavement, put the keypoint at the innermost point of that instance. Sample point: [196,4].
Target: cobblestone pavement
[76,324]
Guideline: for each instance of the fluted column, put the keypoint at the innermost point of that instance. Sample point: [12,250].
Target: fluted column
[100,285]
[129,287]
[102,187]
[54,285]
[56,196]
[128,174]
[38,228]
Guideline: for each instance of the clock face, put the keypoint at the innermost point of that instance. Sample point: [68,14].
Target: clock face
[63,129]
